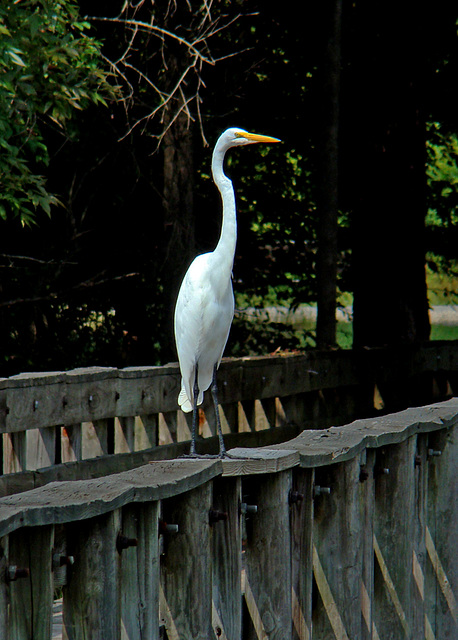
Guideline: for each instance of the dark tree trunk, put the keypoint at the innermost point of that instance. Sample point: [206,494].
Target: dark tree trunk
[179,214]
[385,174]
[329,192]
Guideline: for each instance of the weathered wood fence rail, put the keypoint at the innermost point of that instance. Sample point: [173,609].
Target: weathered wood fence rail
[63,417]
[345,532]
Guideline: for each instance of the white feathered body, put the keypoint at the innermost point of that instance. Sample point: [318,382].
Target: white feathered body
[203,318]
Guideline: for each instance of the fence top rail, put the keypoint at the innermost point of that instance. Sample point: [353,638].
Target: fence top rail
[40,400]
[67,501]
[337,444]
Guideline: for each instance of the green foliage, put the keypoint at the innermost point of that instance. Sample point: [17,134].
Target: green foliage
[49,68]
[277,221]
[252,333]
[442,176]
[442,216]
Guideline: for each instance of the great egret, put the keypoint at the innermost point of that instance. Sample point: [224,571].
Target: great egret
[205,304]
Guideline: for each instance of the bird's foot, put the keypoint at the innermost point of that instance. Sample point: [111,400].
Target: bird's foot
[200,456]
[224,454]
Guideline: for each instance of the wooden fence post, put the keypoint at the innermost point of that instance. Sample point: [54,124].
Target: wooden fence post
[140,572]
[420,620]
[31,597]
[4,633]
[394,539]
[71,441]
[367,495]
[227,558]
[338,550]
[442,533]
[301,506]
[91,598]
[186,566]
[267,557]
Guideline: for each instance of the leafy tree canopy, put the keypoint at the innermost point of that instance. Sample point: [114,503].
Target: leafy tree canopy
[49,67]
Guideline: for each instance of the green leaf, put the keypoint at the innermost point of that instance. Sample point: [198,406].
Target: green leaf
[16,58]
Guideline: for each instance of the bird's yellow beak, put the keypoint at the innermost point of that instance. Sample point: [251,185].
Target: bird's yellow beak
[254,137]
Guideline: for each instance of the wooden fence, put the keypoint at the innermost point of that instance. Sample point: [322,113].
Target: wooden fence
[345,532]
[85,416]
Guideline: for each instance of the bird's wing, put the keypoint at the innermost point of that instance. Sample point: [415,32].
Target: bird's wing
[203,316]
[188,324]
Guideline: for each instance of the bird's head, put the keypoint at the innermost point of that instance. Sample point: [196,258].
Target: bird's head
[235,137]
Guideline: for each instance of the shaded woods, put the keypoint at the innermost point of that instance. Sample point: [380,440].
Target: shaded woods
[340,206]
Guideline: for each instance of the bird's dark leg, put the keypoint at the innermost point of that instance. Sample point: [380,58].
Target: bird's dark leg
[195,415]
[214,390]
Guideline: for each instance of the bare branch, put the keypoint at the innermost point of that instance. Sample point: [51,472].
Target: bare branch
[153,29]
[176,82]
[56,295]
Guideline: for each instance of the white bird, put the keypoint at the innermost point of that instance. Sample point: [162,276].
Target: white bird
[205,303]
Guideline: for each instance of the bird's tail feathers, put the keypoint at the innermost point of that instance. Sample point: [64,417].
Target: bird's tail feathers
[185,403]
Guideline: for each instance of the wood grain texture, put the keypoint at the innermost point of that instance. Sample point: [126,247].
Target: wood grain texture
[394,543]
[336,444]
[267,557]
[441,579]
[81,499]
[109,464]
[227,559]
[31,597]
[4,595]
[338,550]
[41,400]
[91,597]
[139,573]
[254,461]
[185,566]
[314,448]
[301,514]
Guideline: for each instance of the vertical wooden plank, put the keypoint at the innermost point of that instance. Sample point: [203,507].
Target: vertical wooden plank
[442,533]
[394,539]
[367,495]
[265,415]
[207,420]
[124,429]
[14,452]
[61,560]
[186,567]
[168,427]
[71,440]
[267,558]
[4,633]
[41,448]
[420,620]
[227,559]
[183,426]
[146,431]
[95,438]
[229,417]
[301,510]
[246,415]
[91,596]
[31,598]
[294,409]
[140,573]
[338,550]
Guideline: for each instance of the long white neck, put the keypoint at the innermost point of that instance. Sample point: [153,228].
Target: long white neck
[225,249]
